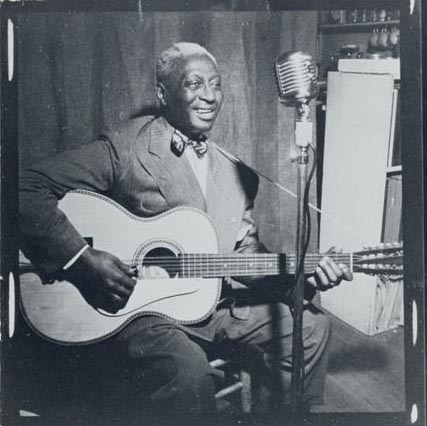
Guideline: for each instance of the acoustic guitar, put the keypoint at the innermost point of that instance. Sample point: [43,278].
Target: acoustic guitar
[184,242]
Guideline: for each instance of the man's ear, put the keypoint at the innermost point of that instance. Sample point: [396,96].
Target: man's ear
[161,94]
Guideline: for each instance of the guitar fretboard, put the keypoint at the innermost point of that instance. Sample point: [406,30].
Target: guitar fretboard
[217,265]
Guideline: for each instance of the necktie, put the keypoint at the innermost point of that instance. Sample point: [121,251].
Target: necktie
[180,142]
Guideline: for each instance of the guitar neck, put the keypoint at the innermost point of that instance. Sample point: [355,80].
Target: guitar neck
[255,264]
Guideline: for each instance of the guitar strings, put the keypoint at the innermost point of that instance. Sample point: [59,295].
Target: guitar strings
[209,271]
[216,258]
[249,262]
[244,263]
[228,261]
[234,266]
[213,266]
[198,263]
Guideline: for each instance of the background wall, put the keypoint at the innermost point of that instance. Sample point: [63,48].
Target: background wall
[80,72]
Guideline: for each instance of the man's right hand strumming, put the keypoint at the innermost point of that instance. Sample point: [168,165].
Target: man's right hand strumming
[103,279]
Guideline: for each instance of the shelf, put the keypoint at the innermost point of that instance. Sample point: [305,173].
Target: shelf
[357,26]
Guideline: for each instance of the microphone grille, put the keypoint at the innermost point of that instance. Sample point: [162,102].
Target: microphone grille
[296,77]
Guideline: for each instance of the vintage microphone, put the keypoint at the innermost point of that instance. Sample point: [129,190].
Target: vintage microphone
[296,78]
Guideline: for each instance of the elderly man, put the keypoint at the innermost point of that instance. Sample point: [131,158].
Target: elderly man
[149,165]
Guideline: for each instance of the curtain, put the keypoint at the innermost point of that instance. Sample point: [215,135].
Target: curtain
[81,72]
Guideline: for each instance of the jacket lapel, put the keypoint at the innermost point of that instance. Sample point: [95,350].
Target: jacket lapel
[173,174]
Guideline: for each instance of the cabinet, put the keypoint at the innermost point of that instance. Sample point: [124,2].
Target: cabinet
[361,182]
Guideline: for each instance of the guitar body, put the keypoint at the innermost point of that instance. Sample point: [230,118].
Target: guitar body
[58,312]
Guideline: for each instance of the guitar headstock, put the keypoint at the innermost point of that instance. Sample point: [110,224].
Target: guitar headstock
[385,260]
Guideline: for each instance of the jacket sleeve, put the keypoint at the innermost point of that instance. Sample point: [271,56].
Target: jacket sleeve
[47,238]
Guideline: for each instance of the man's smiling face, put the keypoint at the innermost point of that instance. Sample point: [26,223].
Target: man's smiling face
[192,95]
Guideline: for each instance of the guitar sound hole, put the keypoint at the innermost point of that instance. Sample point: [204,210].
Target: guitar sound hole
[163,258]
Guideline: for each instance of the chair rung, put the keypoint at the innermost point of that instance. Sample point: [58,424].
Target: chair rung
[26,413]
[217,363]
[229,390]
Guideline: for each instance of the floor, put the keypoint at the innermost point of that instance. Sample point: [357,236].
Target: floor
[365,373]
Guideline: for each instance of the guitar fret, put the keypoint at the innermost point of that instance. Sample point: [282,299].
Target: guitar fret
[197,264]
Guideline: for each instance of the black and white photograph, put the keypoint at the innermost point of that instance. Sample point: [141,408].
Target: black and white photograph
[212,213]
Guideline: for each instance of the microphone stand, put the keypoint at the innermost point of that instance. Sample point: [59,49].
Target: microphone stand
[303,135]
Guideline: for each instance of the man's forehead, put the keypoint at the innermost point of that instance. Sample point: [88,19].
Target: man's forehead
[198,62]
[193,64]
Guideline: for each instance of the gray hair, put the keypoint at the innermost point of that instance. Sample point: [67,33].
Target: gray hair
[171,57]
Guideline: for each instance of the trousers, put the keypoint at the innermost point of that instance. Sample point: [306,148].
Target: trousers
[164,371]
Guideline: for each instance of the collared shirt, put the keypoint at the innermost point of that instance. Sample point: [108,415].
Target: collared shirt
[199,166]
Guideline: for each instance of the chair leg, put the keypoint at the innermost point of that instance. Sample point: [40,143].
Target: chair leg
[246,393]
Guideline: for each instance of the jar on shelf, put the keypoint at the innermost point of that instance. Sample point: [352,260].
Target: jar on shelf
[335,16]
[352,16]
[371,15]
[382,15]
